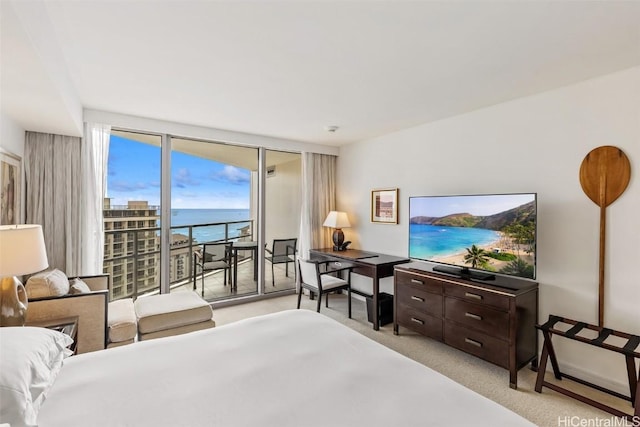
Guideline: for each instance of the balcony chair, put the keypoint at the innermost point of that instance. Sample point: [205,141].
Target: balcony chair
[213,256]
[322,282]
[283,251]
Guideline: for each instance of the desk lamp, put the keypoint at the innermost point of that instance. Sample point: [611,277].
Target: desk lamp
[22,251]
[338,220]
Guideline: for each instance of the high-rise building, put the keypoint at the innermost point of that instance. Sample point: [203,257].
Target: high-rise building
[131,247]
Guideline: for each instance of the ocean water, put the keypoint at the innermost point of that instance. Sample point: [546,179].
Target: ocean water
[208,216]
[428,241]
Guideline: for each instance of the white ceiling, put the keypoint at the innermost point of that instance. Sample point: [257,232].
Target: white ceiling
[288,69]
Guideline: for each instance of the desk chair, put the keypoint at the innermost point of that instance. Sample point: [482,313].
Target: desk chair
[283,251]
[213,256]
[322,282]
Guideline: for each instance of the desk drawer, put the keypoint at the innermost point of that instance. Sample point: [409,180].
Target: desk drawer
[421,282]
[419,299]
[488,348]
[479,296]
[420,322]
[479,317]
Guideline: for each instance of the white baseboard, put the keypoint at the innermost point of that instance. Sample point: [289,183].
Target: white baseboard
[565,368]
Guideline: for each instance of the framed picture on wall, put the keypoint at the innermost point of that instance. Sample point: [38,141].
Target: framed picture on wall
[384,206]
[10,186]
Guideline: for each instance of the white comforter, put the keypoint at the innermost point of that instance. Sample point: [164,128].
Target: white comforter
[294,368]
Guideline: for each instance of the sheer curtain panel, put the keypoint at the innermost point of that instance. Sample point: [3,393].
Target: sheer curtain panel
[95,152]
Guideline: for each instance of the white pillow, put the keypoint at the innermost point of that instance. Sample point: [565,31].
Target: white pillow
[31,359]
[78,286]
[51,283]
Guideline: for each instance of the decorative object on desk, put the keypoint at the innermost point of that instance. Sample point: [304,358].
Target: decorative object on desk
[10,174]
[23,252]
[338,220]
[604,175]
[384,206]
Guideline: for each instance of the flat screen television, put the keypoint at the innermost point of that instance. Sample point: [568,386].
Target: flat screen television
[475,236]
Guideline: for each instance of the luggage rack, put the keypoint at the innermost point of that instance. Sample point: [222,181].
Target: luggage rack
[629,350]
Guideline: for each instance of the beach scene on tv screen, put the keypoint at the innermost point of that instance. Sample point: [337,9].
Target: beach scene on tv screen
[494,233]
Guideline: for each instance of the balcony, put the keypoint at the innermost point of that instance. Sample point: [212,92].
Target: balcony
[128,281]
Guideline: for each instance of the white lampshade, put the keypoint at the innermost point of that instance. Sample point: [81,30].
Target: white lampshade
[22,250]
[337,219]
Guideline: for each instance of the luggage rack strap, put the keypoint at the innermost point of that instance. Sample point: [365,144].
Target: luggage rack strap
[628,348]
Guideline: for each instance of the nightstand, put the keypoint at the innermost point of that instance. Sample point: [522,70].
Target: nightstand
[66,325]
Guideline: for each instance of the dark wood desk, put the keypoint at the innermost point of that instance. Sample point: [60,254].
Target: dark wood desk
[369,264]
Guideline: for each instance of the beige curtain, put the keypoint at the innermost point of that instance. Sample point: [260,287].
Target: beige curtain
[65,186]
[318,199]
[52,179]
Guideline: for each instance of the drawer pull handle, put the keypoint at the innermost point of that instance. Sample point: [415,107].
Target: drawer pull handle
[419,282]
[473,316]
[474,296]
[415,298]
[473,342]
[413,319]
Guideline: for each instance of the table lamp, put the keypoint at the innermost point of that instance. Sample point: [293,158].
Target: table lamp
[22,251]
[338,220]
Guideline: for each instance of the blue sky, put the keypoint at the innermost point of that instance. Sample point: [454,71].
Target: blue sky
[479,205]
[134,174]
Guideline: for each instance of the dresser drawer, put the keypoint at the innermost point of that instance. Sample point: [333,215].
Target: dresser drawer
[480,296]
[420,322]
[419,299]
[478,317]
[488,348]
[428,284]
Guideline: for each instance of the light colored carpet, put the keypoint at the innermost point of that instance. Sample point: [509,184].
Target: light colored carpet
[544,409]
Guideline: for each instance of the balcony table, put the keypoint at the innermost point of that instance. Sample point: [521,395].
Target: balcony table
[244,246]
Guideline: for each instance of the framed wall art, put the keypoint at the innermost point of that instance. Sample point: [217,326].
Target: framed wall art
[384,206]
[10,187]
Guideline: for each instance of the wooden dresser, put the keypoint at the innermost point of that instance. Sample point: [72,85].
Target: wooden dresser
[492,320]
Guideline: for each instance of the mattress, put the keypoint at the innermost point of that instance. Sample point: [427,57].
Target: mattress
[292,368]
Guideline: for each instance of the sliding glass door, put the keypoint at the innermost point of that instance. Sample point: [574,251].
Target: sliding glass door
[212,211]
[216,195]
[131,214]
[282,218]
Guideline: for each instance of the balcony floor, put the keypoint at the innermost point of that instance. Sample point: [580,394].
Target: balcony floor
[215,289]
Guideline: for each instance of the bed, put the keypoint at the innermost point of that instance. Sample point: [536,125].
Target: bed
[292,368]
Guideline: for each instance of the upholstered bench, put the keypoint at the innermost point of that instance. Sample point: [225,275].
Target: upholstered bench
[172,314]
[122,324]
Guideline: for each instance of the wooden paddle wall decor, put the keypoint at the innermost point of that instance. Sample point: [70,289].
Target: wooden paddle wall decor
[604,175]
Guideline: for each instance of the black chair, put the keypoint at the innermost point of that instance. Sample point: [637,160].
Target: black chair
[322,282]
[283,251]
[213,256]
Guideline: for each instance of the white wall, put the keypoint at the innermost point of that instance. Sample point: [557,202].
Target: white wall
[533,144]
[283,199]
[11,136]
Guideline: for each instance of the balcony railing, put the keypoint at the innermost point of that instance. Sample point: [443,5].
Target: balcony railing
[143,252]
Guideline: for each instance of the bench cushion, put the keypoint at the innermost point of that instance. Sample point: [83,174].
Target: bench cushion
[122,321]
[179,330]
[168,311]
